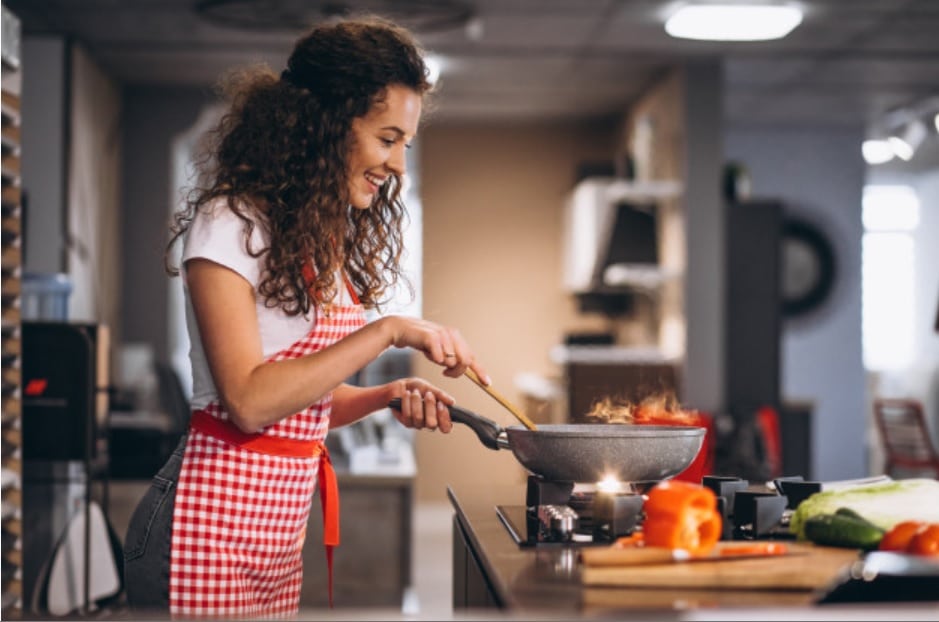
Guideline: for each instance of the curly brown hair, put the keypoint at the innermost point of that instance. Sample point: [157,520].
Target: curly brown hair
[279,158]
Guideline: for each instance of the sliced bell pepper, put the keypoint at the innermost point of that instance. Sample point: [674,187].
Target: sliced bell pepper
[681,515]
[925,541]
[899,536]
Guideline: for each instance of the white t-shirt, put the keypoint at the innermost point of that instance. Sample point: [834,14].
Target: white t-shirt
[217,234]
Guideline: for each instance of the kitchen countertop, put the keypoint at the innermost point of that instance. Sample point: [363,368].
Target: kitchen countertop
[544,582]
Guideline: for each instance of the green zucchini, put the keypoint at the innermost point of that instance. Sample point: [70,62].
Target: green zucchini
[850,513]
[844,528]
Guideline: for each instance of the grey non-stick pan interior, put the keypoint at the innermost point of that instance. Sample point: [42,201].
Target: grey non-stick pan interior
[588,452]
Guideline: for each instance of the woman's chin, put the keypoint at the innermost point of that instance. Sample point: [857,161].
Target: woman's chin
[362,201]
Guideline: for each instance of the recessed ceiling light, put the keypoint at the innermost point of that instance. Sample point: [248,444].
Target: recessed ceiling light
[733,22]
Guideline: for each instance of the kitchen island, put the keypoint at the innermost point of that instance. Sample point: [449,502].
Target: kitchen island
[492,573]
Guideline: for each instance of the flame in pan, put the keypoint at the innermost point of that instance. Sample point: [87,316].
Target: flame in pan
[611,485]
[653,409]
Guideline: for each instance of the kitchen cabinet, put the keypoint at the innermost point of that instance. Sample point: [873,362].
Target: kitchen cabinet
[372,564]
[471,588]
[590,221]
[618,243]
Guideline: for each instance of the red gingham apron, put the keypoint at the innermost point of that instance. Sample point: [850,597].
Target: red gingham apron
[243,500]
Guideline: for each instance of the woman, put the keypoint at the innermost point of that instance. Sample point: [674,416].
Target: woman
[295,228]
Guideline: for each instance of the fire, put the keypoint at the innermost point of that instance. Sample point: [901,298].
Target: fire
[609,484]
[653,409]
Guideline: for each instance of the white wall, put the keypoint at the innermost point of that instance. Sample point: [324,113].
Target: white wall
[818,174]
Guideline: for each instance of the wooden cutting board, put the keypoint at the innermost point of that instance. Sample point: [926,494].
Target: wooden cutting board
[806,567]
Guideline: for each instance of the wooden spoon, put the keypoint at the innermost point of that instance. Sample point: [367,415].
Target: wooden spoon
[528,423]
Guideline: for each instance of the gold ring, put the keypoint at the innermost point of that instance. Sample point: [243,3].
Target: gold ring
[449,355]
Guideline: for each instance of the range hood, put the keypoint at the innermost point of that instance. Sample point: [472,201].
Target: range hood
[611,235]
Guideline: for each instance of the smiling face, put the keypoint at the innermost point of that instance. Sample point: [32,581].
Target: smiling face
[379,142]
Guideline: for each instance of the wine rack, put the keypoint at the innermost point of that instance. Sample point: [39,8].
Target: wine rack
[11,260]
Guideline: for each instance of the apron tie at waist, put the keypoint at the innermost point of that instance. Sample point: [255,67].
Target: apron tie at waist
[223,430]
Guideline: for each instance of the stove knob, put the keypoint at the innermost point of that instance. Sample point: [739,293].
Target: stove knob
[560,520]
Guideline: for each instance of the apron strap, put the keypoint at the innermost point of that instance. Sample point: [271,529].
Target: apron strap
[329,500]
[309,274]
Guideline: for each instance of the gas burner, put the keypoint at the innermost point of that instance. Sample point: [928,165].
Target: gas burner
[568,514]
[746,513]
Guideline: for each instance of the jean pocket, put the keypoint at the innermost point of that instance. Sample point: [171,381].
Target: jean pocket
[153,517]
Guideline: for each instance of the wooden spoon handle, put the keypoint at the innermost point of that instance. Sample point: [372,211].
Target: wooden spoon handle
[528,423]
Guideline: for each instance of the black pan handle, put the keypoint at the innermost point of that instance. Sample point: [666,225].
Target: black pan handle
[490,433]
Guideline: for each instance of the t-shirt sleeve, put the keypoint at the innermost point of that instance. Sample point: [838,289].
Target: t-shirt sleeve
[218,235]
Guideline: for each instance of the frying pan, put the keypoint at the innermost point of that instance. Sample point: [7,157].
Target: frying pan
[589,452]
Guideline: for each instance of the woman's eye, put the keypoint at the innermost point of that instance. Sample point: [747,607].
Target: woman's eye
[388,142]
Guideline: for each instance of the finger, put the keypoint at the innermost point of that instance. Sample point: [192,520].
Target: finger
[444,423]
[417,412]
[451,351]
[444,345]
[457,350]
[411,402]
[456,371]
[434,353]
[481,373]
[430,411]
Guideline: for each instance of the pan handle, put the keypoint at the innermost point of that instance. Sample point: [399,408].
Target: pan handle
[490,433]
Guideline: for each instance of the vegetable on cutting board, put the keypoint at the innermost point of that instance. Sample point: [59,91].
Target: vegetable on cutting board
[844,528]
[884,505]
[681,515]
[914,537]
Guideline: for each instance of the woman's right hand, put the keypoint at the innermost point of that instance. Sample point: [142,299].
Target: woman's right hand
[442,345]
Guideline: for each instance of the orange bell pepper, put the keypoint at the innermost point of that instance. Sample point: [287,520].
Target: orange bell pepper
[681,515]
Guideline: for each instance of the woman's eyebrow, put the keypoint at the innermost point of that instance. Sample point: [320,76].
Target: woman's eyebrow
[394,128]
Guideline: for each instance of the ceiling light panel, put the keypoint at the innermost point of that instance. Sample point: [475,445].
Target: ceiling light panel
[733,22]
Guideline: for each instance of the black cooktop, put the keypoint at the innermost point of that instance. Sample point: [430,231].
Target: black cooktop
[527,530]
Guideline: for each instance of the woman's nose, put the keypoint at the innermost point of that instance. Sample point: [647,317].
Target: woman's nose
[397,160]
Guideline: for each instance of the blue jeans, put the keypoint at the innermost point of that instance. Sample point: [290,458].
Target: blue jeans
[148,540]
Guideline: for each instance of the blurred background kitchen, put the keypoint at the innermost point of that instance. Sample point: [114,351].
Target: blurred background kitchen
[603,209]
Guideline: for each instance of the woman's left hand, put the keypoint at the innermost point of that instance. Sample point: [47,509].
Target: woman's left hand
[422,405]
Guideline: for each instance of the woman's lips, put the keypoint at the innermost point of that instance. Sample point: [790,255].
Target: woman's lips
[374,181]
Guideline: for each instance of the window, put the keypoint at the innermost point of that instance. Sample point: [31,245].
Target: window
[890,216]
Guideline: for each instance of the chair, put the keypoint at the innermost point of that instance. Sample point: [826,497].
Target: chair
[907,444]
